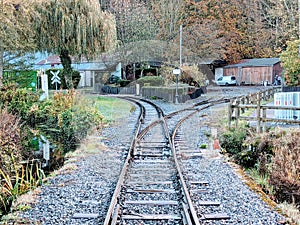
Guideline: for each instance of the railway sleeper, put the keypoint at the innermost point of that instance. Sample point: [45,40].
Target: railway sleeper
[215,216]
[150,207]
[151,202]
[142,169]
[143,155]
[139,182]
[151,217]
[156,161]
[150,175]
[151,191]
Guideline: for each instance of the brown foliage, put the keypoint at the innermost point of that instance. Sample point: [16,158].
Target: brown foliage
[285,170]
[10,140]
[229,29]
[192,76]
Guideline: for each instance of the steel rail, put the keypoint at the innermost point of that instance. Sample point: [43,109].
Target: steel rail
[190,216]
[110,213]
[194,217]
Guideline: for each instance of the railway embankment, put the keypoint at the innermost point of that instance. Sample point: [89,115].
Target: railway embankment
[79,193]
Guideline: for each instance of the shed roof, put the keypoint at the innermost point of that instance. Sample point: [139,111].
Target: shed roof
[255,62]
[47,61]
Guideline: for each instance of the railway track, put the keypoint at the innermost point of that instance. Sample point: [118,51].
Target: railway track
[152,188]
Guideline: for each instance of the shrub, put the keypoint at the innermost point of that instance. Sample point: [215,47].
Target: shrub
[190,75]
[232,140]
[15,179]
[123,83]
[259,151]
[66,119]
[285,168]
[18,101]
[10,140]
[152,80]
[193,76]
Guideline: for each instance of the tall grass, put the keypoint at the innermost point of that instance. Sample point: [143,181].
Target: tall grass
[262,180]
[291,211]
[21,180]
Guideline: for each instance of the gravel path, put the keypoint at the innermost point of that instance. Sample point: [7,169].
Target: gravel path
[81,190]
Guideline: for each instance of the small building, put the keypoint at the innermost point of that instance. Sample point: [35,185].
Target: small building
[254,71]
[90,72]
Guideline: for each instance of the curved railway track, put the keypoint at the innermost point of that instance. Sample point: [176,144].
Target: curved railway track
[152,188]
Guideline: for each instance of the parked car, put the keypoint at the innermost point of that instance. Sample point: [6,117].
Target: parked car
[226,80]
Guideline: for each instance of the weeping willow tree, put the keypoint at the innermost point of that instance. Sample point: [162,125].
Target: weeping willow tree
[16,33]
[74,27]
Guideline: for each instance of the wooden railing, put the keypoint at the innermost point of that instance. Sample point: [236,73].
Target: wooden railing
[239,105]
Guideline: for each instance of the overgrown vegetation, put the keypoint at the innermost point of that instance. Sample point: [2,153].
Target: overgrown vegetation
[190,75]
[285,166]
[272,159]
[25,121]
[151,81]
[15,177]
[290,62]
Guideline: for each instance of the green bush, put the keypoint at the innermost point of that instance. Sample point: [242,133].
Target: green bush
[22,79]
[15,179]
[18,101]
[232,140]
[66,119]
[152,80]
[123,83]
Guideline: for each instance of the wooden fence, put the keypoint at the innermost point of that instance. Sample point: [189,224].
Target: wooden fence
[238,106]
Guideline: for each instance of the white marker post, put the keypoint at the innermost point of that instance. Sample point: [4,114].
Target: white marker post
[44,78]
[46,149]
[55,79]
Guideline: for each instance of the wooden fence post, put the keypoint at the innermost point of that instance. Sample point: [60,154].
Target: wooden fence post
[230,108]
[237,112]
[264,119]
[264,95]
[243,102]
[258,113]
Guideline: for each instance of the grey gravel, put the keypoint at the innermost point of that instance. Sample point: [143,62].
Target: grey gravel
[86,191]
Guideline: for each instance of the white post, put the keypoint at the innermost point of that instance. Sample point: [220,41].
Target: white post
[137,87]
[176,94]
[44,78]
[176,72]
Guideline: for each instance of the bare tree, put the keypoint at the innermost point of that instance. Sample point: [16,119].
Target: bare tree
[280,17]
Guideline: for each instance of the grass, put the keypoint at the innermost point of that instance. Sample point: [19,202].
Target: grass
[23,179]
[113,108]
[261,180]
[203,146]
[291,211]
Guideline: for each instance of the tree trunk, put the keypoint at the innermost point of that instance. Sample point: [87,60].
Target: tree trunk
[67,69]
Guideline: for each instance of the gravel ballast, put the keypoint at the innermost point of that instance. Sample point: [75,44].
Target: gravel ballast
[80,192]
